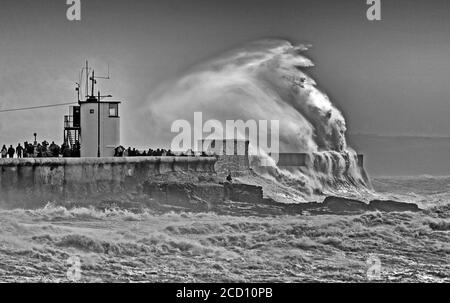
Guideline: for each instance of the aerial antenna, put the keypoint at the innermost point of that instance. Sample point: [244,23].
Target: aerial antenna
[94,81]
[87,78]
[79,86]
[78,89]
[85,70]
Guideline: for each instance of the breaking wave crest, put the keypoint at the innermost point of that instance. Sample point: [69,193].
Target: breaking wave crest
[265,80]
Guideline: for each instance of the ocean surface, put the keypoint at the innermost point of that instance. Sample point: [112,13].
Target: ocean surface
[403,155]
[116,245]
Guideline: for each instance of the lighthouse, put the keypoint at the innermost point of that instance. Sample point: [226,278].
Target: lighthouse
[93,126]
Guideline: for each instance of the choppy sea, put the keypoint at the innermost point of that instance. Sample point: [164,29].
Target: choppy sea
[55,244]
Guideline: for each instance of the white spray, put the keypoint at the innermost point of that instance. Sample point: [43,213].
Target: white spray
[265,80]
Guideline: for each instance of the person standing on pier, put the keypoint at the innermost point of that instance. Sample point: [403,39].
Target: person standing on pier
[25,149]
[11,151]
[19,151]
[30,150]
[4,151]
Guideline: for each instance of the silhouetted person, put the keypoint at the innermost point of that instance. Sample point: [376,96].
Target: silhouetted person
[30,150]
[76,152]
[58,150]
[54,150]
[38,150]
[25,153]
[45,152]
[4,151]
[11,152]
[66,151]
[229,178]
[118,151]
[19,151]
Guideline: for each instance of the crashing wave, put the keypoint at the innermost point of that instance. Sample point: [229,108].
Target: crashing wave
[265,80]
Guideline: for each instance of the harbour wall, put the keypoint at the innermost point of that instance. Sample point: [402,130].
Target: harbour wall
[234,164]
[189,182]
[302,159]
[33,183]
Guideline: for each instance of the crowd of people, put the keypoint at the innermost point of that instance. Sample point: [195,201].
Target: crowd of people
[40,150]
[46,150]
[133,152]
[129,152]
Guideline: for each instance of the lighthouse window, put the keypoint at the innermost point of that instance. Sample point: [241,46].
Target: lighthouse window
[114,110]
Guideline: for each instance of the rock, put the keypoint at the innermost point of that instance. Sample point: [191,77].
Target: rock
[391,206]
[339,205]
[243,193]
[189,196]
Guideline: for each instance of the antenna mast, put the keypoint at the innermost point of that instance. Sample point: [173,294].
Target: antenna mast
[93,79]
[87,78]
[93,83]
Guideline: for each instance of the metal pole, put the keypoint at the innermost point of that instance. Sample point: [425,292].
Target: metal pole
[98,125]
[87,78]
[93,83]
[78,92]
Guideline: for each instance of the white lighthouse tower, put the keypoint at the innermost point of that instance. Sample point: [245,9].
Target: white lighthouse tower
[94,125]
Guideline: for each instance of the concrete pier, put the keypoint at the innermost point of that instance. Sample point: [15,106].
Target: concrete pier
[34,182]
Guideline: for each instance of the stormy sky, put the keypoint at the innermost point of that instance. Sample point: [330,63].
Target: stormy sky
[389,77]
